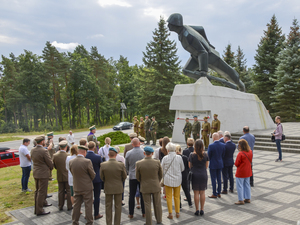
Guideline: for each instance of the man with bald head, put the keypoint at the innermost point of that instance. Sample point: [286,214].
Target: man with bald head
[131,158]
[251,142]
[216,153]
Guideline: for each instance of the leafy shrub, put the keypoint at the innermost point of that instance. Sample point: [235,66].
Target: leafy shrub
[117,137]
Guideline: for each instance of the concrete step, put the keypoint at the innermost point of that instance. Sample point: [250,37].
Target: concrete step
[274,149]
[267,136]
[273,144]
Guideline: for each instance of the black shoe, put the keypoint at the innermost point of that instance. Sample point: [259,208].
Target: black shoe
[61,209]
[252,185]
[201,213]
[49,196]
[231,191]
[197,213]
[43,213]
[70,208]
[48,205]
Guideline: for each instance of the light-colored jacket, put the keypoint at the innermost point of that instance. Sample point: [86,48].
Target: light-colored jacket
[172,176]
[278,132]
[70,176]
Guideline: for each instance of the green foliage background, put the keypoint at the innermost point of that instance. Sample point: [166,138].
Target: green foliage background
[117,138]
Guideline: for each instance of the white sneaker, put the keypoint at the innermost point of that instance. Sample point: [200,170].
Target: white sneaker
[28,190]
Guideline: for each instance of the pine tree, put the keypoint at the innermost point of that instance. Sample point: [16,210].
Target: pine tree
[265,62]
[241,68]
[287,90]
[159,77]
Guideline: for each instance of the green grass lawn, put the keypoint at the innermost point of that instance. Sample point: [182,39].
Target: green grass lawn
[11,135]
[11,195]
[12,138]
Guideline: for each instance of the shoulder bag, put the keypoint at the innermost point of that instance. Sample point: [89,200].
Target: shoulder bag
[247,157]
[162,181]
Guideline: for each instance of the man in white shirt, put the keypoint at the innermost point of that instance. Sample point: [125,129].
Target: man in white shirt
[25,163]
[70,138]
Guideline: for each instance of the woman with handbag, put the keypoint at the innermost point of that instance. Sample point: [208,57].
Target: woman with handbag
[278,137]
[172,165]
[243,173]
[198,163]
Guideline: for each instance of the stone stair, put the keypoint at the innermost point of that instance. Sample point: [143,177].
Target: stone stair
[263,142]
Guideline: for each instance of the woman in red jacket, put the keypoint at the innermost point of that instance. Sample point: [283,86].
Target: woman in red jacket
[243,172]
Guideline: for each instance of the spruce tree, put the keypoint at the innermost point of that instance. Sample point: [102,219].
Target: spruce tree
[241,68]
[160,74]
[287,90]
[229,56]
[265,62]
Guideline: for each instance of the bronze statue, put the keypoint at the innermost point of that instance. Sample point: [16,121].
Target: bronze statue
[203,54]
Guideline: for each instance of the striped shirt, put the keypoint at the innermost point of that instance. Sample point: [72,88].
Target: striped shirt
[172,174]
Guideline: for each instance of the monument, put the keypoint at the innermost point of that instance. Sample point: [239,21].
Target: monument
[234,107]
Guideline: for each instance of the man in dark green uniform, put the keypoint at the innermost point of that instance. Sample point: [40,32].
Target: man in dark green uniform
[147,129]
[196,128]
[205,132]
[215,125]
[153,130]
[51,149]
[92,137]
[136,125]
[187,129]
[142,127]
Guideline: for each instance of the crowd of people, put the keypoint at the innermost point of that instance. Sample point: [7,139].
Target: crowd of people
[84,169]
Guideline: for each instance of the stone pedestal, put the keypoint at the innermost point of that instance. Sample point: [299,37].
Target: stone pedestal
[235,109]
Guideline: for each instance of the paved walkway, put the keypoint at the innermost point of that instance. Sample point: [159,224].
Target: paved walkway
[275,200]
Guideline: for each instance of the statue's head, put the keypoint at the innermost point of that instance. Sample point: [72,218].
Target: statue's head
[175,22]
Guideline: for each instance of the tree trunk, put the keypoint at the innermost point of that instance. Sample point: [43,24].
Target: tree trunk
[88,111]
[59,111]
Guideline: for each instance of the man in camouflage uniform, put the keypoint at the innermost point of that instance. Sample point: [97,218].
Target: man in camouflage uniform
[187,129]
[215,125]
[205,132]
[51,149]
[142,127]
[153,130]
[136,125]
[147,129]
[92,137]
[196,128]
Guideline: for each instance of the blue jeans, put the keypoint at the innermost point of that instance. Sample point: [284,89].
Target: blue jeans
[215,174]
[243,188]
[25,177]
[278,144]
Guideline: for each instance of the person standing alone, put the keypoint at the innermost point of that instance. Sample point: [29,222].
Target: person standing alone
[278,137]
[25,163]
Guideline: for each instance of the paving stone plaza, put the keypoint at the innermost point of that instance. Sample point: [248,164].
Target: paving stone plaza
[275,200]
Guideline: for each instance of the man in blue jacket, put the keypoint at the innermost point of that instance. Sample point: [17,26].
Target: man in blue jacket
[216,152]
[97,182]
[228,163]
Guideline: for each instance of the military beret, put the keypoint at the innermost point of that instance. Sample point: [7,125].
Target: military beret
[205,118]
[50,134]
[82,147]
[39,138]
[148,149]
[113,149]
[146,115]
[92,127]
[186,118]
[195,116]
[216,115]
[133,135]
[63,143]
[141,139]
[135,117]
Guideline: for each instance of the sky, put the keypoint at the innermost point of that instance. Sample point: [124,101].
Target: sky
[124,27]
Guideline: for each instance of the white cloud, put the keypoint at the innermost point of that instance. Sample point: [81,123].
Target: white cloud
[7,40]
[96,36]
[104,3]
[154,12]
[65,46]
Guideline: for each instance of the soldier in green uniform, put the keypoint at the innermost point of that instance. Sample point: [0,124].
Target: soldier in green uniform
[205,132]
[196,128]
[153,130]
[92,137]
[136,125]
[142,127]
[147,129]
[187,129]
[51,149]
[215,125]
